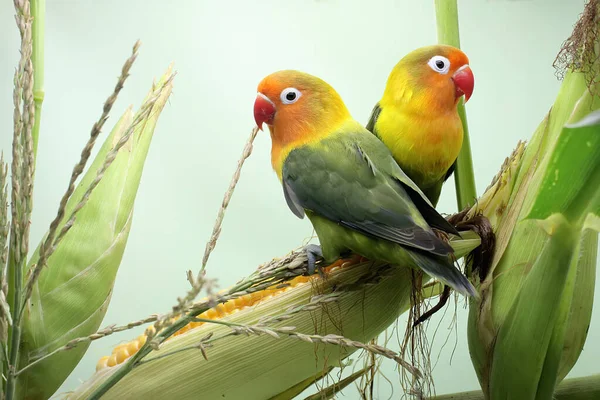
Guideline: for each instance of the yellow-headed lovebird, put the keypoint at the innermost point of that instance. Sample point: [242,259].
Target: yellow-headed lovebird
[416,117]
[346,181]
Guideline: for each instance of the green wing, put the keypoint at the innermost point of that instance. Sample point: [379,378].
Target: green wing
[353,180]
[433,193]
[373,119]
[450,170]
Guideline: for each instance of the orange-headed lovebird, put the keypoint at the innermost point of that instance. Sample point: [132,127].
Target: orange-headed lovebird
[416,117]
[346,181]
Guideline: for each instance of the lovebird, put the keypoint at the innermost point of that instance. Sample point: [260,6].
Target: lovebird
[346,181]
[417,118]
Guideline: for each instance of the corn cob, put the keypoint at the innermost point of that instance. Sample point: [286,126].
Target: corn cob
[123,351]
[265,367]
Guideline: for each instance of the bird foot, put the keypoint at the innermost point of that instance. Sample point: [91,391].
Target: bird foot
[482,255]
[441,235]
[313,252]
[444,296]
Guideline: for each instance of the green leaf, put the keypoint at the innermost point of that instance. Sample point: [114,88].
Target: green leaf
[581,304]
[73,292]
[518,361]
[584,388]
[571,182]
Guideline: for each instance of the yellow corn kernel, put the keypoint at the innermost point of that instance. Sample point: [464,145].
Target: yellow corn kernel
[124,351]
[241,302]
[133,347]
[193,325]
[220,310]
[229,306]
[119,347]
[112,360]
[102,363]
[122,355]
[256,296]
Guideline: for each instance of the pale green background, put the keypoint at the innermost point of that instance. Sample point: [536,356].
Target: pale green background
[221,50]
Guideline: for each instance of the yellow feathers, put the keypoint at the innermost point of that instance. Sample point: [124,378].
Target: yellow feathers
[425,146]
[416,117]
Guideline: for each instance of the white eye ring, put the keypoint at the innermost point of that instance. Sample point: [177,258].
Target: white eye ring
[439,64]
[290,95]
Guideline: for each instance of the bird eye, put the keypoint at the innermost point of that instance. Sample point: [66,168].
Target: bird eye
[439,64]
[290,95]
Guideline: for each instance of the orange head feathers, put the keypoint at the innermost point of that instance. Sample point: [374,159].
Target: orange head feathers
[299,109]
[431,77]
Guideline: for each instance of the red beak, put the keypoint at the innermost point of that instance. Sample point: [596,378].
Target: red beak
[464,82]
[264,110]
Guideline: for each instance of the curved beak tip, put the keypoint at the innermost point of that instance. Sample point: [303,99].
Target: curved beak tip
[464,82]
[264,110]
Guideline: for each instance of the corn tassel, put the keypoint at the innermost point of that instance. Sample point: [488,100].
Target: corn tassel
[72,293]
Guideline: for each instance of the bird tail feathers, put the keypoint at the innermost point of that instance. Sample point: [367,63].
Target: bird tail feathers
[444,270]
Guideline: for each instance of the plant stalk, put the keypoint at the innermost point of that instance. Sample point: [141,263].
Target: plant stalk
[11,379]
[38,12]
[583,388]
[446,12]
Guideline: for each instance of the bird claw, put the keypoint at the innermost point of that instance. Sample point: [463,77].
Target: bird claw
[313,251]
[441,235]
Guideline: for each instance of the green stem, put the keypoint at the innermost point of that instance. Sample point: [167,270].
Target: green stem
[38,12]
[330,391]
[134,360]
[446,12]
[11,277]
[11,381]
[464,176]
[585,388]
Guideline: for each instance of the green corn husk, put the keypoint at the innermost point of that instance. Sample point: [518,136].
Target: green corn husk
[73,292]
[371,297]
[542,278]
[528,328]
